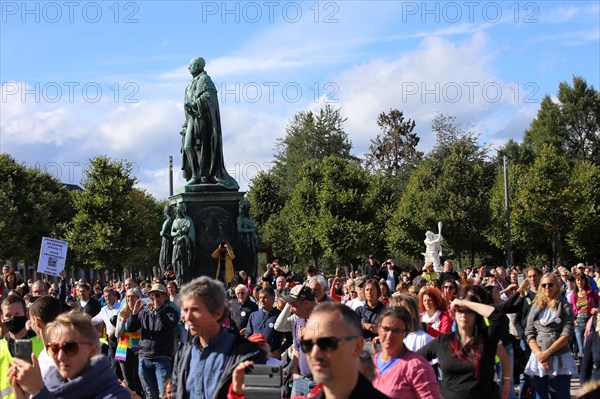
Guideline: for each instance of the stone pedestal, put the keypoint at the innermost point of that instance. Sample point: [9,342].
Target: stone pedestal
[215,219]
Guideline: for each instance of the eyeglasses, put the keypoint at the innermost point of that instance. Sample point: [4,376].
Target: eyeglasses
[155,295]
[547,285]
[394,331]
[326,344]
[448,287]
[69,348]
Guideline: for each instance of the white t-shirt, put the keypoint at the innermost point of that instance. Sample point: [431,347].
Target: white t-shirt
[416,340]
[46,362]
[355,303]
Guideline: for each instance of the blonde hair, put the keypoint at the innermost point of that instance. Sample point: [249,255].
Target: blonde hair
[132,291]
[79,322]
[541,300]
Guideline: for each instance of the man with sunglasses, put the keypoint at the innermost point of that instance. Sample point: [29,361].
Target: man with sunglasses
[158,321]
[333,343]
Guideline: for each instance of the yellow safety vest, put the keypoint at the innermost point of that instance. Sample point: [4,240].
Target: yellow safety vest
[36,345]
[6,391]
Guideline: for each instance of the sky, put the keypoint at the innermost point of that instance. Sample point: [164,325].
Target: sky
[82,79]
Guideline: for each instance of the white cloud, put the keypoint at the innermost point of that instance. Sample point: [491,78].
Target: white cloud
[141,128]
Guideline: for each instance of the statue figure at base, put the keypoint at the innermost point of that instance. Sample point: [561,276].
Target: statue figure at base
[202,145]
[433,251]
[184,244]
[166,247]
[248,246]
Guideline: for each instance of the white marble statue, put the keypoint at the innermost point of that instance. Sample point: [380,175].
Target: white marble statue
[433,251]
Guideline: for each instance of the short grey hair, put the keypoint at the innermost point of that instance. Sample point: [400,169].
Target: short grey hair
[241,287]
[319,279]
[210,291]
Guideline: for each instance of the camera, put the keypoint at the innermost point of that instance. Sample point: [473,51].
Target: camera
[263,382]
[23,349]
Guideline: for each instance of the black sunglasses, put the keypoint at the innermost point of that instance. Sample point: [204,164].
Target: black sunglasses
[547,285]
[326,344]
[70,348]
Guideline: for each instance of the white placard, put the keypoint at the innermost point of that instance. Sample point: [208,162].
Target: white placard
[53,256]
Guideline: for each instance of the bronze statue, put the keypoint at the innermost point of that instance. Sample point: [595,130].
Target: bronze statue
[184,244]
[166,247]
[248,246]
[202,145]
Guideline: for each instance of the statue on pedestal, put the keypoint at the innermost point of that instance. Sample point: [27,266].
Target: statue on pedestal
[202,145]
[248,246]
[433,252]
[166,247]
[184,244]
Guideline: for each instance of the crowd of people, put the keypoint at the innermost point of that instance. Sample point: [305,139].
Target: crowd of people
[379,332]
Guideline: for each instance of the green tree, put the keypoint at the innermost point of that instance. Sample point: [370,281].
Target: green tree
[147,218]
[34,205]
[104,226]
[301,214]
[394,150]
[345,219]
[543,203]
[266,199]
[451,185]
[571,126]
[582,237]
[496,232]
[309,136]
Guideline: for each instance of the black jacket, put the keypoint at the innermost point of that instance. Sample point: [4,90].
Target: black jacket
[241,350]
[590,365]
[363,389]
[93,307]
[157,333]
[239,321]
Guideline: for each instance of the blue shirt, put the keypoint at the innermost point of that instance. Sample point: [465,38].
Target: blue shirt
[207,364]
[593,283]
[261,322]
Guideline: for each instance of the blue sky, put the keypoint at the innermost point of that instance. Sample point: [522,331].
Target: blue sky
[81,79]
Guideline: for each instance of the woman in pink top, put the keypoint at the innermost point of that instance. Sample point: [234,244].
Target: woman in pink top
[400,373]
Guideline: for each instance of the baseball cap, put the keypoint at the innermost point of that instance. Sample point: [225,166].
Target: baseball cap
[256,338]
[359,282]
[299,293]
[158,288]
[371,256]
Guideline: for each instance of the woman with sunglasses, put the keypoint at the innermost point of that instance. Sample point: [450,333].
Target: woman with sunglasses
[401,373]
[449,290]
[549,327]
[467,356]
[79,373]
[584,302]
[434,312]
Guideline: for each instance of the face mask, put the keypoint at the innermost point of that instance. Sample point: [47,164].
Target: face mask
[15,324]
